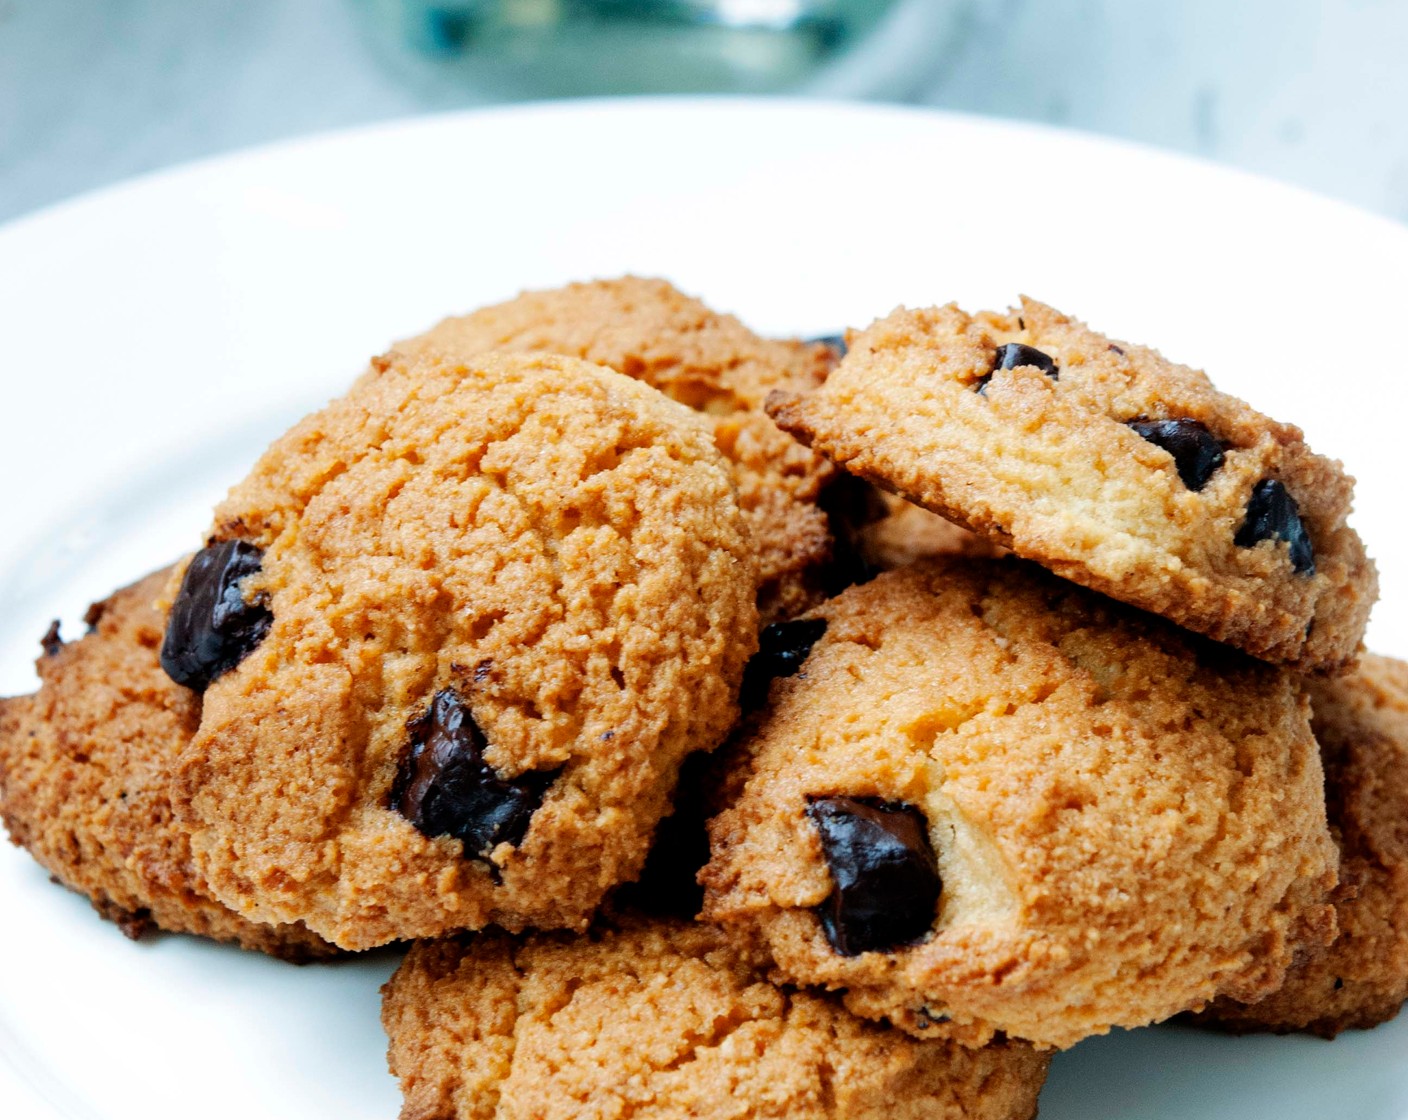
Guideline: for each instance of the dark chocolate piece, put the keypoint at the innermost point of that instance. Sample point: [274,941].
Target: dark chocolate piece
[445,788]
[885,879]
[782,647]
[94,614]
[1010,355]
[212,626]
[51,642]
[1196,452]
[1272,514]
[927,1018]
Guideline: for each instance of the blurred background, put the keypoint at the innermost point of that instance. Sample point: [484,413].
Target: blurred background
[1308,91]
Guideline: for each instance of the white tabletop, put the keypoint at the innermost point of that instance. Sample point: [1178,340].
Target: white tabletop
[1309,91]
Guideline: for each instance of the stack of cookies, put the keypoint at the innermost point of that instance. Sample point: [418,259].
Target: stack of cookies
[755,728]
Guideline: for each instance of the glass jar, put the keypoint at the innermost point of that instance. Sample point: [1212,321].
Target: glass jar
[515,49]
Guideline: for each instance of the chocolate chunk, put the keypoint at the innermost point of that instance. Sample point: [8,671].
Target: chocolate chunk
[94,614]
[927,1018]
[1196,452]
[782,647]
[212,626]
[445,788]
[1272,514]
[1010,355]
[51,642]
[885,879]
[837,342]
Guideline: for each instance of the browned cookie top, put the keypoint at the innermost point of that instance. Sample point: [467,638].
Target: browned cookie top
[1361,721]
[1108,464]
[662,1020]
[505,597]
[84,769]
[987,800]
[649,330]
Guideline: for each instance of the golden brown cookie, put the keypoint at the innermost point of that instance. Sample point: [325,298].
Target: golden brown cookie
[661,1020]
[649,330]
[907,533]
[1361,721]
[987,800]
[1109,465]
[84,767]
[484,611]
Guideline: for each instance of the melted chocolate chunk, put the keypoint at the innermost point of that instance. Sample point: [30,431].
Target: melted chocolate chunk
[445,788]
[51,642]
[1010,355]
[212,627]
[1196,452]
[782,647]
[1272,514]
[885,879]
[837,342]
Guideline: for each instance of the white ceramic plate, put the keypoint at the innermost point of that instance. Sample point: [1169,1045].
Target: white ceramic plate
[154,336]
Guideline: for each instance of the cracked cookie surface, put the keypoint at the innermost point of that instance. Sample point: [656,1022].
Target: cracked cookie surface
[508,597]
[1361,722]
[650,331]
[1126,820]
[658,1020]
[1107,464]
[84,769]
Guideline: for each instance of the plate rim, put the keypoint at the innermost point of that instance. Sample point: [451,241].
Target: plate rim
[308,143]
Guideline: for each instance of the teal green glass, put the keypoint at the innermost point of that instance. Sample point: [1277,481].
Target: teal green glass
[563,48]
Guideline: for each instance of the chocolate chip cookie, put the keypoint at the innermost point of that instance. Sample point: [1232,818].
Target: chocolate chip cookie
[1361,721]
[649,330]
[658,1020]
[906,533]
[982,799]
[458,630]
[84,766]
[1108,464]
